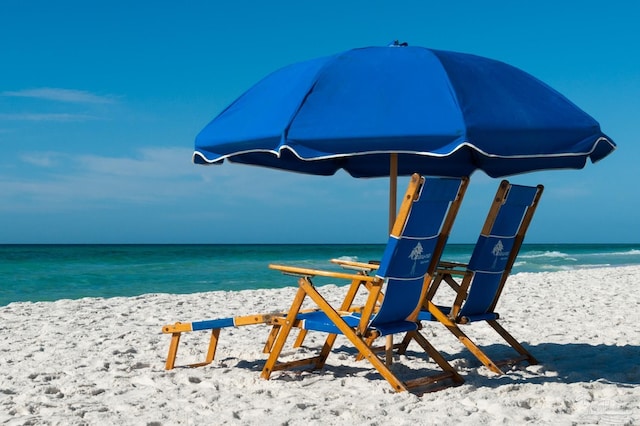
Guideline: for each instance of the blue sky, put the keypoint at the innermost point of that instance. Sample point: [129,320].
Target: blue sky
[100,103]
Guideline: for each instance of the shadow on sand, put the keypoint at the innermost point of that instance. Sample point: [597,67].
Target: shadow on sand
[558,363]
[569,363]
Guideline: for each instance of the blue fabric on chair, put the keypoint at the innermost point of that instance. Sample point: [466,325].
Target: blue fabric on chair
[319,321]
[209,324]
[491,254]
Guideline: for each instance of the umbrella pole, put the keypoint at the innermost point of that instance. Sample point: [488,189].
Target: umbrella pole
[393,199]
[393,188]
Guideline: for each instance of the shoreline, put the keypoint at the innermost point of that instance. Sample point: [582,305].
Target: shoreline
[566,269]
[101,361]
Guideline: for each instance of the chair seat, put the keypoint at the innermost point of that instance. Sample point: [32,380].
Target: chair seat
[426,315]
[480,317]
[319,321]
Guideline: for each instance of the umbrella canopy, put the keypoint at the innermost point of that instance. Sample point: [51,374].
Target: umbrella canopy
[444,114]
[382,111]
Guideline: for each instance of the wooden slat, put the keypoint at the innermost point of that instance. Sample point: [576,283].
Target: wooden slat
[423,381]
[294,364]
[256,319]
[176,328]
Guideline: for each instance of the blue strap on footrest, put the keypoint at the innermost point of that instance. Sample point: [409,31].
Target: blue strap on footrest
[212,324]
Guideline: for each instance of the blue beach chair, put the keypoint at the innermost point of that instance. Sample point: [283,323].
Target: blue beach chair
[479,284]
[412,253]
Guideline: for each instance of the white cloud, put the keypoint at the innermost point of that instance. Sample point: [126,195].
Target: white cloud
[44,159]
[60,180]
[47,181]
[565,192]
[61,95]
[149,163]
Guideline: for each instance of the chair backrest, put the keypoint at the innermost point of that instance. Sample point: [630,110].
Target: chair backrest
[415,245]
[498,245]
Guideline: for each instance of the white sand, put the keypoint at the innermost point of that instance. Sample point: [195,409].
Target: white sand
[101,361]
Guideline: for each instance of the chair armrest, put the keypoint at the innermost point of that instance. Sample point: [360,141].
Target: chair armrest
[446,264]
[356,266]
[447,271]
[451,268]
[306,272]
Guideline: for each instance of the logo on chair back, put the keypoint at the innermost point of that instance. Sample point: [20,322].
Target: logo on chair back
[416,255]
[497,252]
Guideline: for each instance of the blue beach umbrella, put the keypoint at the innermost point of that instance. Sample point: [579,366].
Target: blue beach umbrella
[397,110]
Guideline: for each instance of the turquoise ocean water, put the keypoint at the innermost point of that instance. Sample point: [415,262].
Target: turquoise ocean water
[52,272]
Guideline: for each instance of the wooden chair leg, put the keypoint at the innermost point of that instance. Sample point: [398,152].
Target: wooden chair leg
[512,341]
[326,349]
[369,341]
[273,334]
[285,329]
[436,356]
[213,344]
[173,351]
[300,339]
[175,342]
[469,344]
[388,350]
[402,346]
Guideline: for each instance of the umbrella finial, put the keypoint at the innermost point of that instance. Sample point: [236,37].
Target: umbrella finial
[396,43]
